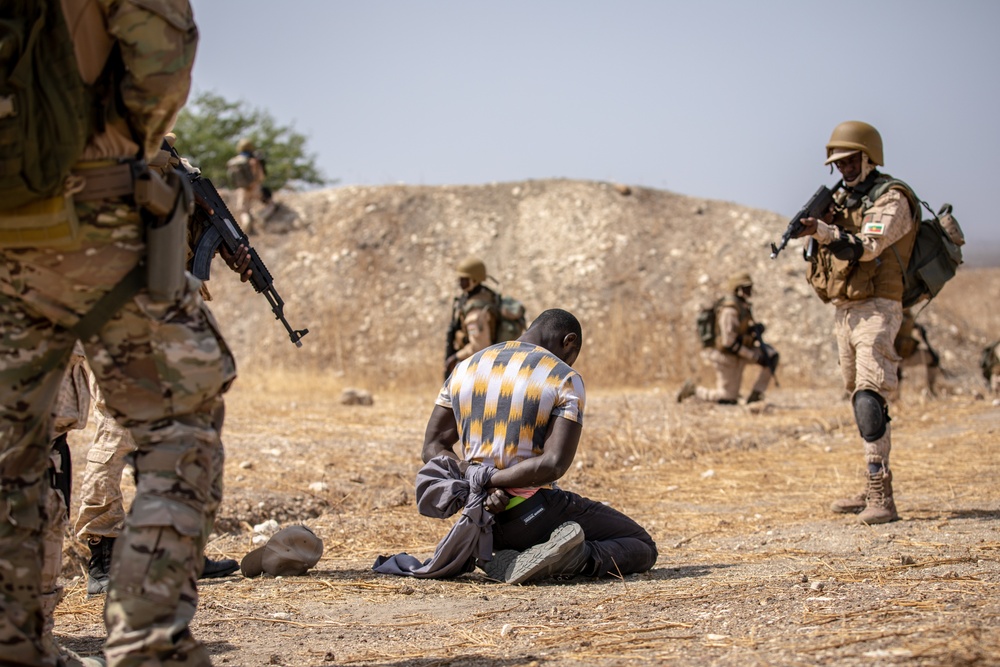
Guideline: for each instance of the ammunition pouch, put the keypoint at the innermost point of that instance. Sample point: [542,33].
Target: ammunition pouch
[165,206]
[47,223]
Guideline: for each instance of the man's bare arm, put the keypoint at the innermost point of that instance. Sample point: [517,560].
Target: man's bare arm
[557,456]
[441,434]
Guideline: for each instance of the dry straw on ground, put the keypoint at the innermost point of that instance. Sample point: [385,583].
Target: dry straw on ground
[753,570]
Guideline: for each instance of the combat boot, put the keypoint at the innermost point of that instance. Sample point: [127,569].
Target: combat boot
[68,658]
[218,568]
[853,505]
[686,391]
[880,507]
[99,570]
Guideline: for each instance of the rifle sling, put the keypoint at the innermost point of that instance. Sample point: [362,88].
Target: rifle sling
[109,304]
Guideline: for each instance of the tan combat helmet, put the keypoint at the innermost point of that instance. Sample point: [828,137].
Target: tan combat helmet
[852,136]
[472,268]
[738,280]
[245,144]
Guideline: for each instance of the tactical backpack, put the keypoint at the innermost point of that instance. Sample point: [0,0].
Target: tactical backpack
[46,109]
[935,257]
[513,320]
[239,172]
[936,251]
[705,324]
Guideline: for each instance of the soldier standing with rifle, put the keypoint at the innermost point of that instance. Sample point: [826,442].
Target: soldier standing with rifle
[474,315]
[108,269]
[859,250]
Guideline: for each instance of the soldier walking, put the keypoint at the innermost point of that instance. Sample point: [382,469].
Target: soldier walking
[861,247]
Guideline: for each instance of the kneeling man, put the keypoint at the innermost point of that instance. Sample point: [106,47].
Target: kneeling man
[518,407]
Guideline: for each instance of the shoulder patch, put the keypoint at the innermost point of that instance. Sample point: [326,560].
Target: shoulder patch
[872,227]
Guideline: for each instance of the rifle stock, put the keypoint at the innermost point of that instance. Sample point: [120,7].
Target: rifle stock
[816,207]
[221,229]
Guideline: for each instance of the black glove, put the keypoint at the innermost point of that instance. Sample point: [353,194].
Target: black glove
[847,247]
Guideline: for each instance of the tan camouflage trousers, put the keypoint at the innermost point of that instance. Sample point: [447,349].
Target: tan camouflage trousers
[729,375]
[102,508]
[866,331]
[163,369]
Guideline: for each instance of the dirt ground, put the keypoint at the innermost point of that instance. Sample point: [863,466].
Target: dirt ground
[752,570]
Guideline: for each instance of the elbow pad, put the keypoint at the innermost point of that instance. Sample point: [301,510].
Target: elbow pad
[846,247]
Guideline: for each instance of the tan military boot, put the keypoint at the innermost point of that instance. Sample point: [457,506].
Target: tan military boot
[881,508]
[853,505]
[686,391]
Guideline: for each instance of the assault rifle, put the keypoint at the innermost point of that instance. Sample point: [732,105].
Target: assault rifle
[221,229]
[816,207]
[770,360]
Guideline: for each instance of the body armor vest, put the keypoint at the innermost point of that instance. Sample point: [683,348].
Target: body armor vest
[880,277]
[744,337]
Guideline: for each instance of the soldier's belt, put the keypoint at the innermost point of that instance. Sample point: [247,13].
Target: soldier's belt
[103,180]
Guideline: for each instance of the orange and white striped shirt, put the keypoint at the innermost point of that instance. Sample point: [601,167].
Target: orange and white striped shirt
[504,398]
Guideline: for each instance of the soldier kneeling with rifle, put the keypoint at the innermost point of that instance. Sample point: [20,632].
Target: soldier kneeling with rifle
[736,342]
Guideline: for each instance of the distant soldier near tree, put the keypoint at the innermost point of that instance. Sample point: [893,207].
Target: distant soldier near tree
[246,171]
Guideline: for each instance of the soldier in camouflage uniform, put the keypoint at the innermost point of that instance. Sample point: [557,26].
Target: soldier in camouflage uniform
[474,314]
[102,510]
[861,248]
[162,364]
[252,192]
[69,413]
[737,345]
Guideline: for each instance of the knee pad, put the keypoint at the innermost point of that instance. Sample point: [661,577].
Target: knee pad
[871,413]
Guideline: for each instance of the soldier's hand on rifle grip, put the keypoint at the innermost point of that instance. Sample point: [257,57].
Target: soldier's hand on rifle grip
[809,226]
[238,261]
[203,204]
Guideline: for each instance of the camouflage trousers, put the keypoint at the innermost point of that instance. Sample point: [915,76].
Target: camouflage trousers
[102,509]
[729,375]
[163,368]
[69,413]
[866,331]
[102,506]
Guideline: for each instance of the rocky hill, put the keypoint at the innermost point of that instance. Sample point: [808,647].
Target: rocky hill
[369,271]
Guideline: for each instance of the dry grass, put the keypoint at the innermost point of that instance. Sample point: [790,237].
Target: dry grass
[752,569]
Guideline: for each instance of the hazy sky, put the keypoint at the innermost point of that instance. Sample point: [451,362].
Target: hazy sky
[725,100]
